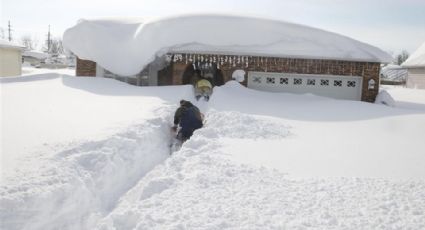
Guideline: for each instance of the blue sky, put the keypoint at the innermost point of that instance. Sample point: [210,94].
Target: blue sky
[391,25]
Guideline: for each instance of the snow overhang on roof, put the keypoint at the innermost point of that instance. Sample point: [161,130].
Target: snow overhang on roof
[10,45]
[417,59]
[126,46]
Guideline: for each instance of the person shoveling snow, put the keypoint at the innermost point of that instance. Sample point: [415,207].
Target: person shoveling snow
[187,119]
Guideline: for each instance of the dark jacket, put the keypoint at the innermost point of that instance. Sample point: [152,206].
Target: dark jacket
[189,118]
[179,112]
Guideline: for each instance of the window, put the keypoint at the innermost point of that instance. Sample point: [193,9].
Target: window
[311,81]
[351,84]
[298,81]
[324,82]
[270,80]
[257,80]
[337,83]
[284,80]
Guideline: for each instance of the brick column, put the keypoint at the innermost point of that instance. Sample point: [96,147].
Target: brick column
[85,68]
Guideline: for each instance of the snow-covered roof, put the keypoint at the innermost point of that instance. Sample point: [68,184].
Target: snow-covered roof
[35,54]
[126,46]
[8,44]
[417,59]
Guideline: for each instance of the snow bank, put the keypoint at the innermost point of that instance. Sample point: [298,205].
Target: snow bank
[328,138]
[417,58]
[73,187]
[72,109]
[263,160]
[384,98]
[72,146]
[412,99]
[126,46]
[200,188]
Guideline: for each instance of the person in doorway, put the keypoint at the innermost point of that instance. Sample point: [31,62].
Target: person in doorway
[203,88]
[189,118]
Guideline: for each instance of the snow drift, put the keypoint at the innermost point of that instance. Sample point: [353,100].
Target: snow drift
[71,147]
[111,170]
[126,46]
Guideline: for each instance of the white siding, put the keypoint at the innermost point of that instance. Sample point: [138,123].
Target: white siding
[10,62]
[416,78]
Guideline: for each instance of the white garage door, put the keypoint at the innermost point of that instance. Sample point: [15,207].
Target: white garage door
[341,87]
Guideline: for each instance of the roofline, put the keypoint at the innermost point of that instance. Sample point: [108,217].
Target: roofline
[18,47]
[280,56]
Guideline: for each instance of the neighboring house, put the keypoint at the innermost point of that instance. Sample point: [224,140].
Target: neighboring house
[10,59]
[277,56]
[35,58]
[415,66]
[393,75]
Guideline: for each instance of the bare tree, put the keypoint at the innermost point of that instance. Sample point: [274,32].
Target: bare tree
[29,42]
[402,57]
[56,46]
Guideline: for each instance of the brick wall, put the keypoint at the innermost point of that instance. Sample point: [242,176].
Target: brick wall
[85,68]
[367,70]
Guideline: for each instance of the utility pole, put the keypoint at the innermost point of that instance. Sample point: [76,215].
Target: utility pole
[49,41]
[10,31]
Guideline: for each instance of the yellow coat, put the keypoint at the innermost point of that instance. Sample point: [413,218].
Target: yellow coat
[203,83]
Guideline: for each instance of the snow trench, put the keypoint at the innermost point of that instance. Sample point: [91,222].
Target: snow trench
[76,187]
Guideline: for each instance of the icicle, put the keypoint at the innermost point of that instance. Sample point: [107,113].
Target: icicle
[175,58]
[190,57]
[194,66]
[167,57]
[215,59]
[239,59]
[226,59]
[202,58]
[218,65]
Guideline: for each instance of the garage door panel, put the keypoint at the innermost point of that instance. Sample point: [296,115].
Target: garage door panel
[341,87]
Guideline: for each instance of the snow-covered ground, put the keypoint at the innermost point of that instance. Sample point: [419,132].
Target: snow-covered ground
[29,70]
[92,153]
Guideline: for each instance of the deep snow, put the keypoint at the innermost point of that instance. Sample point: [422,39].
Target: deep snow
[126,45]
[263,160]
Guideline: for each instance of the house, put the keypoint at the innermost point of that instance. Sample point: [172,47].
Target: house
[415,66]
[34,58]
[10,59]
[276,56]
[393,75]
